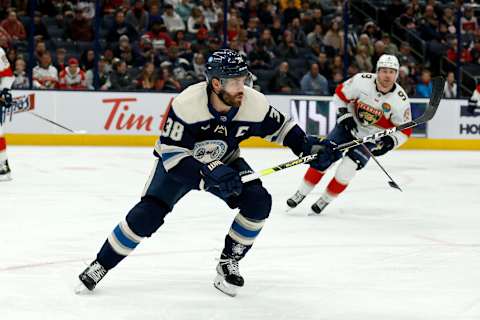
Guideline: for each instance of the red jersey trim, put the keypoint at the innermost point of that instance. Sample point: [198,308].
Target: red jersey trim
[339,93]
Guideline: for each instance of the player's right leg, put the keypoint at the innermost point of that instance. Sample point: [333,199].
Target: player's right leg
[5,174]
[160,195]
[310,180]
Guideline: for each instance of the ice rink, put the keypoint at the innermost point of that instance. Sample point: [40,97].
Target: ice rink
[375,254]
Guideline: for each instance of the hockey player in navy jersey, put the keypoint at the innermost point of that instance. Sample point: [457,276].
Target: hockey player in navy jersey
[199,150]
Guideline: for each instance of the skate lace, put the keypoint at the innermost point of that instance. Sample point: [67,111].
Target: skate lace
[96,272]
[232,266]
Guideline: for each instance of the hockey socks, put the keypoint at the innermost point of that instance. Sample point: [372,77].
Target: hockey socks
[241,236]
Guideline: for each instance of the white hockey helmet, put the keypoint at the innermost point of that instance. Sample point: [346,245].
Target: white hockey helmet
[388,61]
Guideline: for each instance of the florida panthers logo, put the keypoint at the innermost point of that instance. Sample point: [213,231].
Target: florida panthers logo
[209,150]
[366,114]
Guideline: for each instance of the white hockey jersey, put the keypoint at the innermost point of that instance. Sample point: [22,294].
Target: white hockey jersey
[372,110]
[476,95]
[6,74]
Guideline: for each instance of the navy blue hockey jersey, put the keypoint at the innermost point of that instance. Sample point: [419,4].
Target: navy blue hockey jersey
[195,133]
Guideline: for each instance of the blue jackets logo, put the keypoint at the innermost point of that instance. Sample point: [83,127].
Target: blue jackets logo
[209,150]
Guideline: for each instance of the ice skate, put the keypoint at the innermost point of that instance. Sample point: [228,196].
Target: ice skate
[90,277]
[5,173]
[228,278]
[295,200]
[319,206]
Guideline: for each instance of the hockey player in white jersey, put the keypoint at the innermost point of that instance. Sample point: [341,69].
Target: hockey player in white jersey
[6,80]
[366,103]
[199,149]
[474,101]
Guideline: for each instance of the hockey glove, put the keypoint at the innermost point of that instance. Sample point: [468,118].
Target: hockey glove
[384,145]
[346,120]
[5,98]
[221,180]
[325,150]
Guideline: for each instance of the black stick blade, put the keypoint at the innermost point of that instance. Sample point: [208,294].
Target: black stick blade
[394,185]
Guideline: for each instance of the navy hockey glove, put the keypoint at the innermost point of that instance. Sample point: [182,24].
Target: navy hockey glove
[384,145]
[346,120]
[5,98]
[324,149]
[221,180]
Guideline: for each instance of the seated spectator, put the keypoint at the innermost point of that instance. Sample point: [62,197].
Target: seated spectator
[390,47]
[197,21]
[103,76]
[405,56]
[424,87]
[40,49]
[253,31]
[72,77]
[11,55]
[405,81]
[138,17]
[315,37]
[184,9]
[119,78]
[41,31]
[60,59]
[13,26]
[372,31]
[475,52]
[337,78]
[154,15]
[408,19]
[80,28]
[5,39]
[465,56]
[21,78]
[363,60]
[148,80]
[210,11]
[450,89]
[87,60]
[297,33]
[334,37]
[180,67]
[283,81]
[324,65]
[379,51]
[120,27]
[159,37]
[45,76]
[167,80]
[314,83]
[172,20]
[199,66]
[291,10]
[266,40]
[125,52]
[287,48]
[468,22]
[259,58]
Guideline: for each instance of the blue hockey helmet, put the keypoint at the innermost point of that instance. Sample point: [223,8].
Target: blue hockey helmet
[224,64]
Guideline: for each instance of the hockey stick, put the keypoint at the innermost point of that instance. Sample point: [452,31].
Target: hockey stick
[437,93]
[57,124]
[391,182]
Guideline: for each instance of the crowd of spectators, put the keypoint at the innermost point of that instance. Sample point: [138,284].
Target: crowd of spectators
[293,46]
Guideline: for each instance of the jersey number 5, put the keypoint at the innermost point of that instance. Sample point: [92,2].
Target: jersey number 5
[173,129]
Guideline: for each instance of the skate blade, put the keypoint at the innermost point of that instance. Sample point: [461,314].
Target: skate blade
[80,289]
[224,286]
[5,177]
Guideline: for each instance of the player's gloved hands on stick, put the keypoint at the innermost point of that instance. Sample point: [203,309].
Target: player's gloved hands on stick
[221,180]
[5,98]
[347,121]
[384,145]
[325,150]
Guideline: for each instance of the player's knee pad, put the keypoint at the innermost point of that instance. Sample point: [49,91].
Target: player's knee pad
[147,216]
[255,201]
[346,170]
[359,156]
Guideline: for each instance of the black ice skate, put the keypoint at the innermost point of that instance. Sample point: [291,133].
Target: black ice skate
[295,200]
[319,206]
[91,276]
[228,278]
[5,171]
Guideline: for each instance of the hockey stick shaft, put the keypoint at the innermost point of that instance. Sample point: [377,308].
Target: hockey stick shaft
[52,122]
[437,93]
[391,183]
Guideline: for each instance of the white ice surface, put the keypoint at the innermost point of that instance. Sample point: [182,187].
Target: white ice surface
[376,253]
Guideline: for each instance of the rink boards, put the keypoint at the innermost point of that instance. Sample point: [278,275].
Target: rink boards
[134,119]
